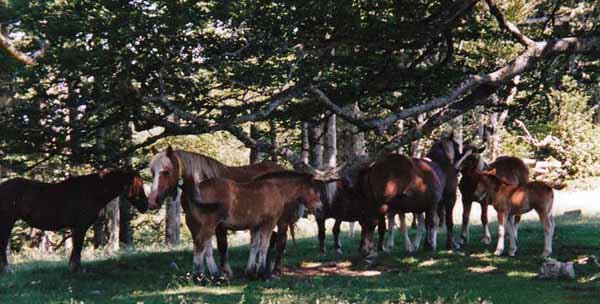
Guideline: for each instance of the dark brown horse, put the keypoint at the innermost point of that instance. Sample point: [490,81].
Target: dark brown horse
[509,168]
[178,171]
[400,184]
[344,204]
[73,203]
[258,206]
[511,200]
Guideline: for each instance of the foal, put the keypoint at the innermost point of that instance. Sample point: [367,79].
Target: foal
[257,206]
[510,200]
[73,203]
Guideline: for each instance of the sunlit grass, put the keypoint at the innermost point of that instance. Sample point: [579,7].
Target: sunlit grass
[471,275]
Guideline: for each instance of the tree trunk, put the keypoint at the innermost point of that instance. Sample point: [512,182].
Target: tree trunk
[358,138]
[273,138]
[113,225]
[316,145]
[173,231]
[125,230]
[330,150]
[416,147]
[456,125]
[305,143]
[254,153]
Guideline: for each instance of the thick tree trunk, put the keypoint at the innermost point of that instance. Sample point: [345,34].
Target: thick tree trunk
[113,225]
[173,222]
[330,150]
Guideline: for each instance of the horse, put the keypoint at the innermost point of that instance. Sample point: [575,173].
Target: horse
[72,203]
[178,171]
[343,204]
[400,184]
[258,206]
[510,200]
[509,168]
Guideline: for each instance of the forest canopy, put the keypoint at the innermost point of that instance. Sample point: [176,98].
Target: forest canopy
[97,82]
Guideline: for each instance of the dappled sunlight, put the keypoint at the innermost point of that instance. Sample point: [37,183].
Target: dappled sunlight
[482,269]
[522,274]
[328,269]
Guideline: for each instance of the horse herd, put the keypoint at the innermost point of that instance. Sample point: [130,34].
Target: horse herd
[217,198]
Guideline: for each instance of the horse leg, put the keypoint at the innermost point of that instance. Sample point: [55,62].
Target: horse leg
[251,267]
[431,221]
[210,260]
[337,244]
[263,271]
[381,229]
[449,206]
[351,228]
[510,225]
[408,246]
[366,242]
[321,228]
[6,226]
[280,244]
[420,218]
[548,223]
[487,236]
[516,223]
[413,224]
[502,219]
[222,246]
[464,235]
[391,222]
[78,236]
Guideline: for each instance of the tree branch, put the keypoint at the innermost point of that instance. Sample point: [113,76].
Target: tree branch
[6,44]
[507,25]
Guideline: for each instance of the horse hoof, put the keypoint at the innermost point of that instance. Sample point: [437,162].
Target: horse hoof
[512,253]
[337,252]
[456,246]
[463,240]
[221,280]
[498,252]
[227,272]
[546,254]
[486,240]
[200,279]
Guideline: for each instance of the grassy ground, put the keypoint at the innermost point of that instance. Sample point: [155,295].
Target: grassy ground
[467,276]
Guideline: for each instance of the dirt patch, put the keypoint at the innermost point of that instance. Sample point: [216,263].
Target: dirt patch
[329,269]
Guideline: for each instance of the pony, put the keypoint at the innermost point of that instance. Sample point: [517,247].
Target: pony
[258,206]
[509,168]
[177,172]
[510,200]
[73,203]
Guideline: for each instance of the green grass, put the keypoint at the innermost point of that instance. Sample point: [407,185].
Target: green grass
[470,275]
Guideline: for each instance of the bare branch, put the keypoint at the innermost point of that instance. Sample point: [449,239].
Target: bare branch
[507,25]
[6,44]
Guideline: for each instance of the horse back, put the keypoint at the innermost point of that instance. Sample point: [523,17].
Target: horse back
[511,169]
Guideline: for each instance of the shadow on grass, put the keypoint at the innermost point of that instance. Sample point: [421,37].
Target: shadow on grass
[472,274]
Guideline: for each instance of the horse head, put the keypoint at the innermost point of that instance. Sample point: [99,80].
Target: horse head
[167,176]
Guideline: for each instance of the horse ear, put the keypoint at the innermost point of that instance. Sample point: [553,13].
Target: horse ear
[169,151]
[154,150]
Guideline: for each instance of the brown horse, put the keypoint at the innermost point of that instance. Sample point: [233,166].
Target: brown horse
[400,184]
[73,203]
[342,203]
[258,206]
[178,171]
[510,200]
[509,168]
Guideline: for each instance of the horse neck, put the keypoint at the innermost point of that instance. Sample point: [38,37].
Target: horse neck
[110,187]
[291,189]
[439,158]
[198,167]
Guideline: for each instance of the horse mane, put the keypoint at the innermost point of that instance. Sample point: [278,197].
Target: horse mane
[284,174]
[195,163]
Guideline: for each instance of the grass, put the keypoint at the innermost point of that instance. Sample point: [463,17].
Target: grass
[471,275]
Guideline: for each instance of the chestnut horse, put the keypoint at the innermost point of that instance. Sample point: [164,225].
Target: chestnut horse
[510,200]
[258,206]
[399,184]
[73,203]
[178,171]
[509,168]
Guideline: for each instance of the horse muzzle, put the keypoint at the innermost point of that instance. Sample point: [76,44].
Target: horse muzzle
[153,200]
